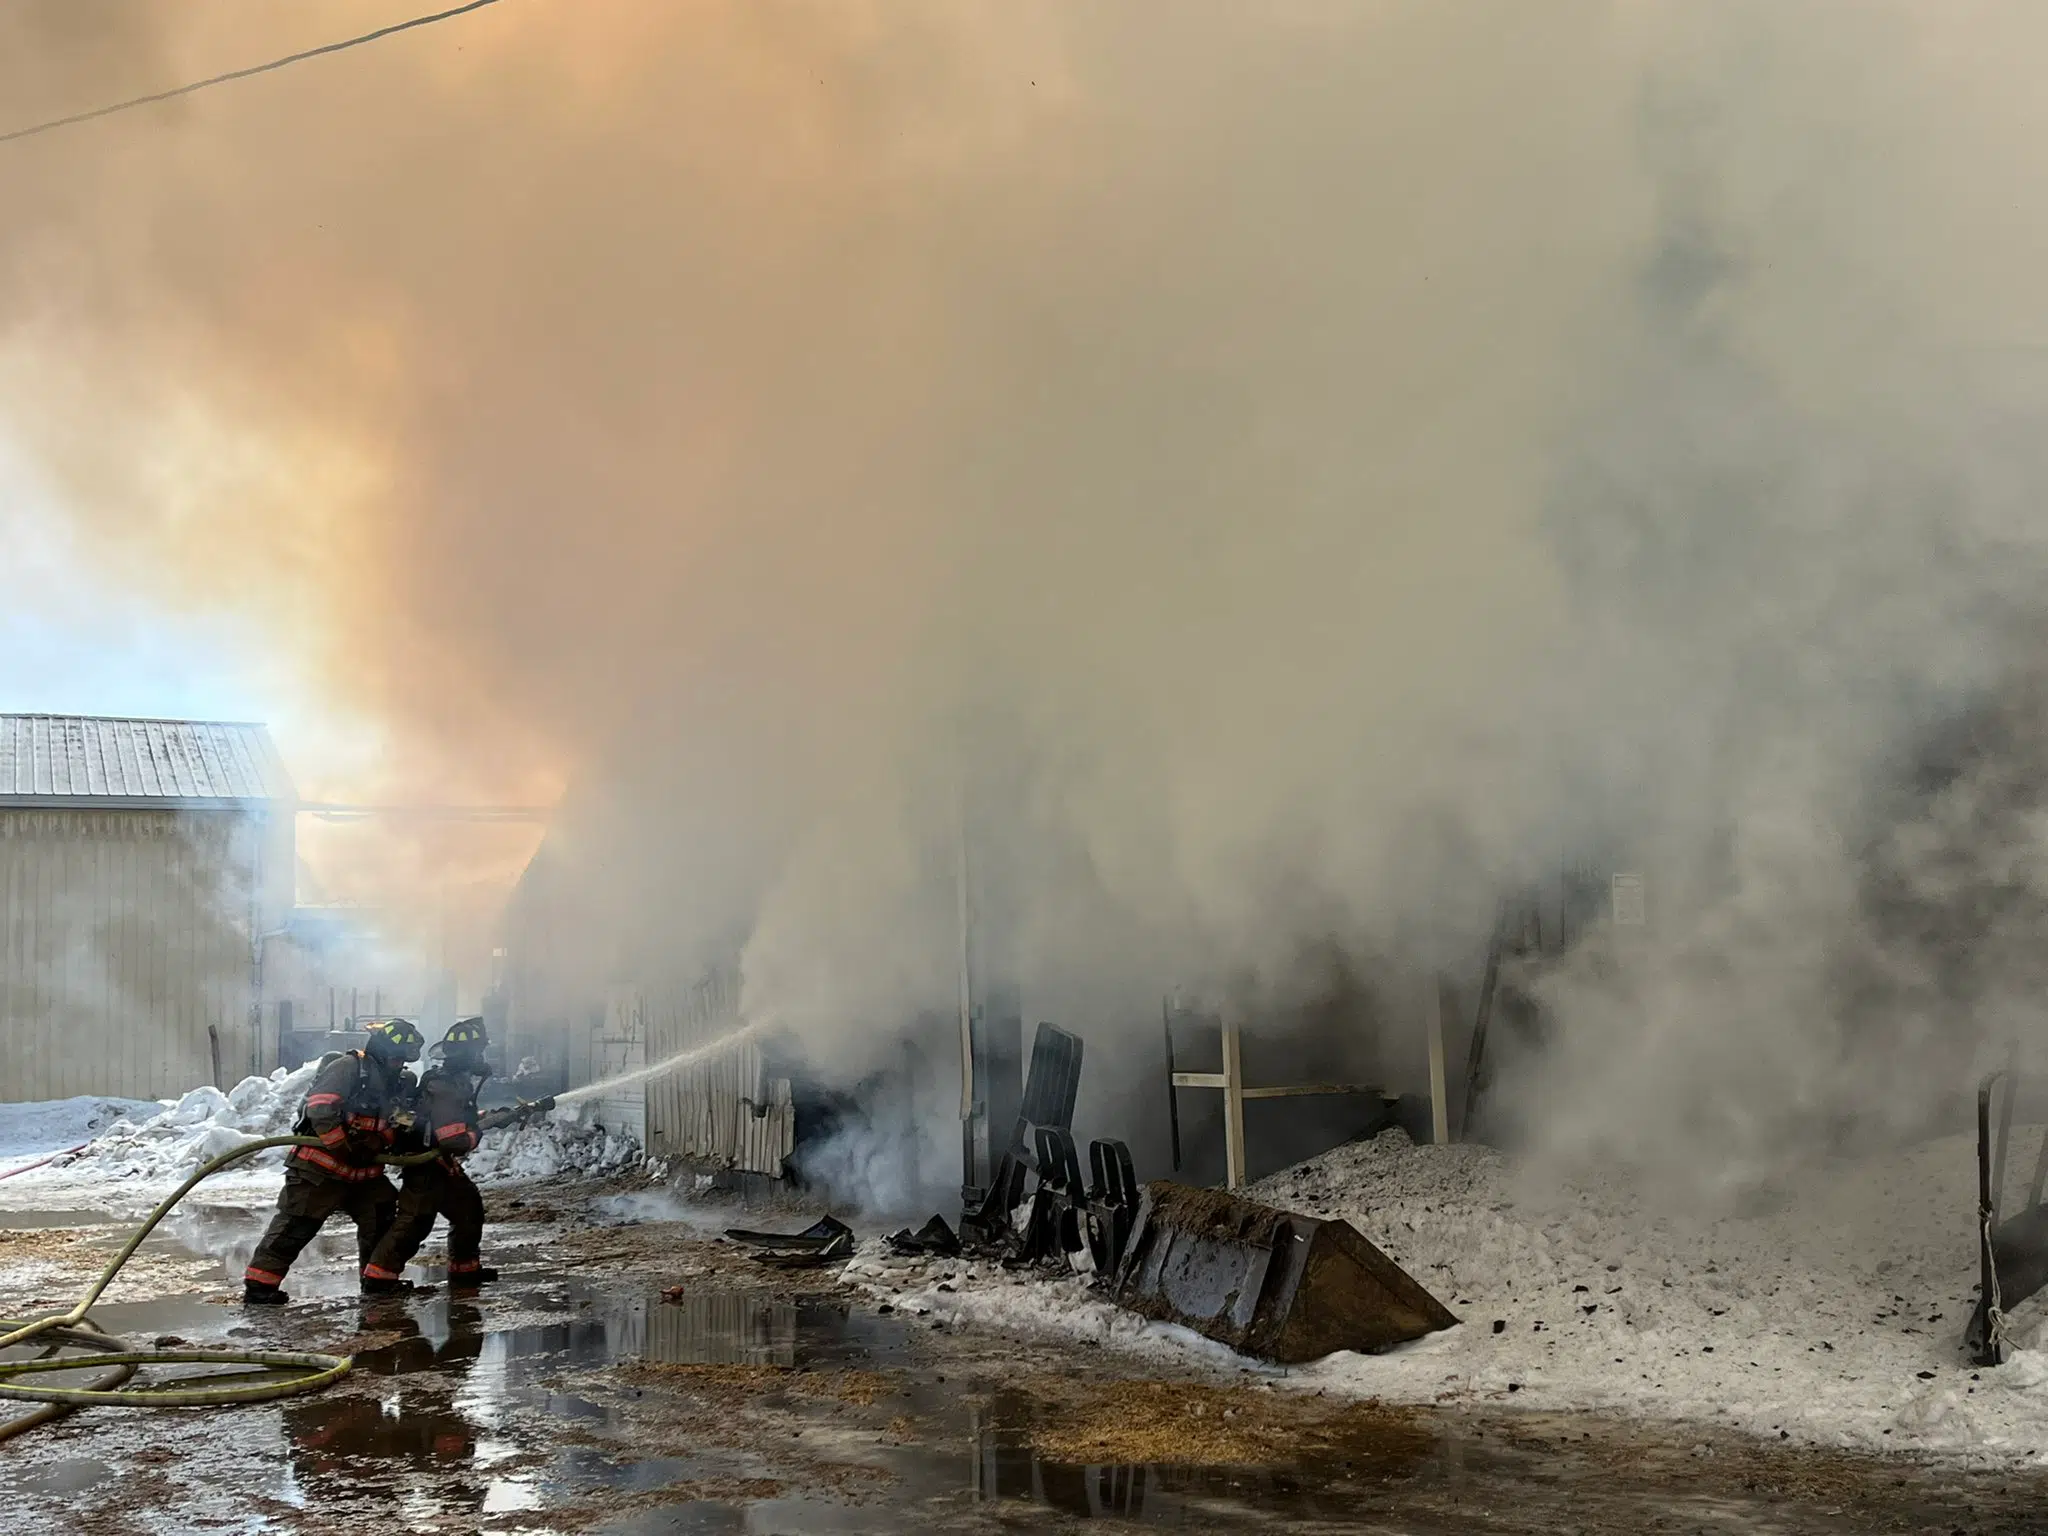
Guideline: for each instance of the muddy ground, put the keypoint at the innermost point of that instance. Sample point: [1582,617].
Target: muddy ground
[575,1397]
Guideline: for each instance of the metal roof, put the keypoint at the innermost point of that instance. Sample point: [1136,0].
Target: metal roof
[83,762]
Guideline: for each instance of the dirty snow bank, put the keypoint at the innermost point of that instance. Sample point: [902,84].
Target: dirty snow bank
[564,1141]
[1833,1316]
[178,1136]
[158,1144]
[54,1125]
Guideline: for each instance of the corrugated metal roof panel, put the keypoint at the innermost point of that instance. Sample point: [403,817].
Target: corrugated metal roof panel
[81,760]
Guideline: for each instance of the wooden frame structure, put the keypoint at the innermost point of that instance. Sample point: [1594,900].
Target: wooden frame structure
[1235,1092]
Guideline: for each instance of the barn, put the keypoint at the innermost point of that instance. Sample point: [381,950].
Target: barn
[143,866]
[586,1017]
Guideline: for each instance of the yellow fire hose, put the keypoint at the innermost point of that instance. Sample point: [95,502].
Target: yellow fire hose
[275,1374]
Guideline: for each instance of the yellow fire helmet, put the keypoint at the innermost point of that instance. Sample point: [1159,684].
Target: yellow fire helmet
[462,1048]
[396,1040]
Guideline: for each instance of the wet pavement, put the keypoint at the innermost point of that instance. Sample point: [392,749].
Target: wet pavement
[586,1402]
[40,1221]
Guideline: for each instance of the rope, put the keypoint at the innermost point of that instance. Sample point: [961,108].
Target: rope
[1995,1341]
[276,1374]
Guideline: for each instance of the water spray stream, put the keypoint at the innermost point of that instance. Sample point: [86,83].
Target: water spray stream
[675,1063]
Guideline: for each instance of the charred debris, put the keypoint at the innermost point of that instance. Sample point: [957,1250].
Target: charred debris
[1260,1280]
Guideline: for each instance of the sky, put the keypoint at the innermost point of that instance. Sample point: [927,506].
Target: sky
[74,642]
[77,640]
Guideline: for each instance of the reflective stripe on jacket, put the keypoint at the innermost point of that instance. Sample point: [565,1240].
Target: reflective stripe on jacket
[448,1111]
[350,1096]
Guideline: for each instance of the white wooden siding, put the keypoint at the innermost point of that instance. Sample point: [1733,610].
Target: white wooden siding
[723,1110]
[124,936]
[621,1046]
[715,1328]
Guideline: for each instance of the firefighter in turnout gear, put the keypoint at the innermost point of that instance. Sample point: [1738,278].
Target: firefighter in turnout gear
[349,1107]
[447,1121]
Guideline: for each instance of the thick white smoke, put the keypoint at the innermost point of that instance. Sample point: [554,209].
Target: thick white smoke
[1280,476]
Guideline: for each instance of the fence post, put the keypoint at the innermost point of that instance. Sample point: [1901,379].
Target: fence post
[1233,1109]
[1439,1102]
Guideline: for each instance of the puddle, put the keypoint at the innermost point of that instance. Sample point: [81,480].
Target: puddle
[766,1517]
[472,1439]
[36,1221]
[222,1231]
[1001,1467]
[469,1408]
[141,1324]
[736,1328]
[492,1412]
[994,1463]
[708,1328]
[63,1479]
[189,1317]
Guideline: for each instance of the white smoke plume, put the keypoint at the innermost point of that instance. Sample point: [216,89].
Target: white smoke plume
[1293,472]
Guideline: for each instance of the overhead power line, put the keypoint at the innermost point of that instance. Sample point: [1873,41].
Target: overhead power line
[243,74]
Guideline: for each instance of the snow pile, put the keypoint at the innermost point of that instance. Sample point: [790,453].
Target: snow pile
[55,1125]
[1830,1314]
[164,1142]
[1813,1318]
[560,1142]
[181,1135]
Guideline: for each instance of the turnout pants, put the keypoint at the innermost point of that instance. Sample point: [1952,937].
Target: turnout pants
[439,1188]
[303,1206]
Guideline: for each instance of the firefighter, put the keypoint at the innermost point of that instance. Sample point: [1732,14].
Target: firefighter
[331,1438]
[349,1107]
[447,1121]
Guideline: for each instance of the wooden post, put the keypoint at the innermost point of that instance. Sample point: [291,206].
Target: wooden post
[1475,1055]
[975,1162]
[1233,1109]
[1439,1102]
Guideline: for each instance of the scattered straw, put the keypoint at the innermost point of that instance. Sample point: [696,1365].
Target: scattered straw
[714,1378]
[1167,1423]
[863,1389]
[41,1242]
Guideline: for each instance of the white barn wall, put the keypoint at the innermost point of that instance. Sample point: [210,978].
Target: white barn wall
[127,934]
[723,1111]
[619,1047]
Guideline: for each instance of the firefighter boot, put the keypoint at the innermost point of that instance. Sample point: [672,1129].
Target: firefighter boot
[256,1294]
[377,1285]
[470,1279]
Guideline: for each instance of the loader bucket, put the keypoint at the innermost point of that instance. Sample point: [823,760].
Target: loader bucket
[1266,1282]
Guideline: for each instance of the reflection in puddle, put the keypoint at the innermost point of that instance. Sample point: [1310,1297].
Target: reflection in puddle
[446,1452]
[328,1435]
[465,1445]
[765,1517]
[459,1449]
[739,1328]
[1002,1466]
[710,1328]
[511,1494]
